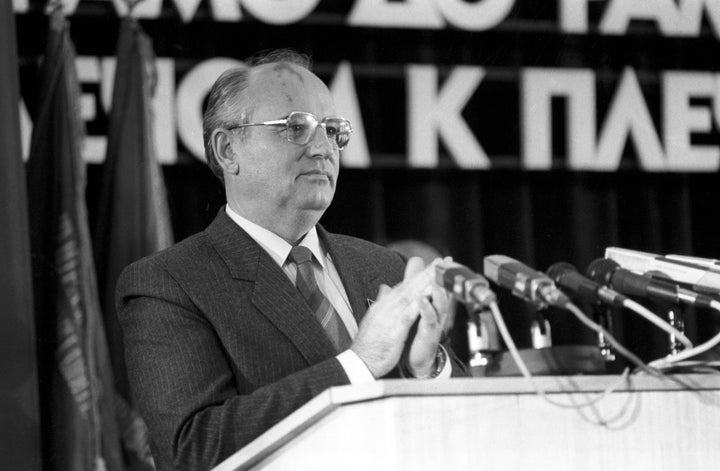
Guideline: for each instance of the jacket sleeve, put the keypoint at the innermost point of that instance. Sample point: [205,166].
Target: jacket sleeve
[197,405]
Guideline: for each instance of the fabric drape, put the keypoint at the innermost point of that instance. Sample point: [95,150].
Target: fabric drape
[132,218]
[76,389]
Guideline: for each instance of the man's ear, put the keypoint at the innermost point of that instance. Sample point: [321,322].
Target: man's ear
[225,155]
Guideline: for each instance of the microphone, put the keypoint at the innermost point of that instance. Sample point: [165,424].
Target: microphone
[705,279]
[711,264]
[608,272]
[524,282]
[465,285]
[568,278]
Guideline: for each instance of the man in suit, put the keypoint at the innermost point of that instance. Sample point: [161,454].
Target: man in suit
[229,331]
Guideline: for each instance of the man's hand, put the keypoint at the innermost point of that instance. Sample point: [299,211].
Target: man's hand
[382,333]
[433,317]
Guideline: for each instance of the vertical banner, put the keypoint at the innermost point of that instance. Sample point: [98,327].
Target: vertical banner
[19,406]
[133,218]
[79,430]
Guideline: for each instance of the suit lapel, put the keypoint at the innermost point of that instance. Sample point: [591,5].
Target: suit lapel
[273,293]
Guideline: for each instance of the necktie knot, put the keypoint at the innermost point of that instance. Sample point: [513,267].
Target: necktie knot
[300,254]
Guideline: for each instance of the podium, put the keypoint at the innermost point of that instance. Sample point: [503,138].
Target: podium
[645,423]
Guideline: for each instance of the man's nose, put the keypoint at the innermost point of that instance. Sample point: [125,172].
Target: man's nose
[320,144]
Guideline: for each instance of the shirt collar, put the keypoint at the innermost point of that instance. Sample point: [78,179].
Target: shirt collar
[276,246]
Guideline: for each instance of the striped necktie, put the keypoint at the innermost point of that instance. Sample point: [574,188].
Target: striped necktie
[322,308]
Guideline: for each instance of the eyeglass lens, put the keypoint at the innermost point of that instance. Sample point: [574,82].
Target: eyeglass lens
[302,126]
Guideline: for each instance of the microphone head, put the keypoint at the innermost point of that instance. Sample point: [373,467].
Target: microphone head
[557,270]
[609,273]
[491,269]
[447,274]
[601,270]
[524,282]
[630,283]
[568,277]
[465,285]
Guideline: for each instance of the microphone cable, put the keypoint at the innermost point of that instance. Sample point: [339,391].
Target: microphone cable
[515,354]
[641,310]
[685,354]
[577,312]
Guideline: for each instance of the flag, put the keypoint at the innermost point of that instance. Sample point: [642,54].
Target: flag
[19,406]
[77,408]
[133,218]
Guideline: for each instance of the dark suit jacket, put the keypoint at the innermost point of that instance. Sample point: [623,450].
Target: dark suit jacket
[220,345]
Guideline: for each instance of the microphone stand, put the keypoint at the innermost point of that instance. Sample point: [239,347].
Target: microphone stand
[676,319]
[603,316]
[483,338]
[540,332]
[674,314]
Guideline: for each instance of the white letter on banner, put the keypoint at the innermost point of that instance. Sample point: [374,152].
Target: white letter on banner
[691,16]
[280,12]
[432,115]
[107,81]
[188,8]
[681,120]
[88,70]
[479,16]
[162,105]
[222,10]
[574,16]
[619,13]
[191,92]
[103,72]
[406,14]
[343,91]
[69,6]
[144,9]
[628,117]
[539,86]
[20,6]
[26,127]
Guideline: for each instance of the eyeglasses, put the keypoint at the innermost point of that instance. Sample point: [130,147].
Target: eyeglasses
[300,127]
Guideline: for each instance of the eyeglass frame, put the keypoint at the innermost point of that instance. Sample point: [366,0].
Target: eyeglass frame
[285,122]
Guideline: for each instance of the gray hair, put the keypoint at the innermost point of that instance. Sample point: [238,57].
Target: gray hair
[226,107]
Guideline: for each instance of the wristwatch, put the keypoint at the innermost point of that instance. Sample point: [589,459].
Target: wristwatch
[440,360]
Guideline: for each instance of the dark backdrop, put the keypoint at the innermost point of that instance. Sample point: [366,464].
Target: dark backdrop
[538,217]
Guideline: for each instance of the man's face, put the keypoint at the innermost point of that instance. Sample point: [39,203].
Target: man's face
[278,177]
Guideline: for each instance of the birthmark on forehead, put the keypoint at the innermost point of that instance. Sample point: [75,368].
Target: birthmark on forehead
[281,67]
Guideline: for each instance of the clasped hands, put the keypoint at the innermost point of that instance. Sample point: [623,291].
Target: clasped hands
[382,334]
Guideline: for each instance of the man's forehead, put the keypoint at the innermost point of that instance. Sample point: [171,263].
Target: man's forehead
[279,74]
[287,83]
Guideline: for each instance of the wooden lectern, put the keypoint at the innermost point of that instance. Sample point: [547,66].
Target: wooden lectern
[645,423]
